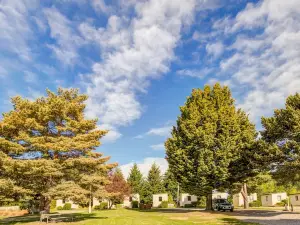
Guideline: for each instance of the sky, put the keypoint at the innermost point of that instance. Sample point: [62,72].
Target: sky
[138,60]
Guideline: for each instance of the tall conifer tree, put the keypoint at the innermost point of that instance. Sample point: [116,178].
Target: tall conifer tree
[135,179]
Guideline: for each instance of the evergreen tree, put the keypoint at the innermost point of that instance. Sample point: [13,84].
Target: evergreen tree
[210,137]
[47,142]
[170,184]
[281,132]
[153,185]
[135,179]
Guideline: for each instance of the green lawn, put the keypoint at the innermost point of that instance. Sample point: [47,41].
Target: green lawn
[134,217]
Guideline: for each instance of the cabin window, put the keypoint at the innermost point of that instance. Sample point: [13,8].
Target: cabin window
[189,198]
[160,199]
[130,199]
[297,198]
[279,198]
[64,201]
[267,197]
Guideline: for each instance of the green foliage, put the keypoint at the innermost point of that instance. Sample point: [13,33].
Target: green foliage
[163,204]
[188,206]
[53,204]
[59,208]
[170,185]
[119,206]
[256,203]
[210,147]
[282,203]
[135,204]
[55,122]
[153,185]
[135,179]
[67,206]
[281,132]
[102,206]
[201,203]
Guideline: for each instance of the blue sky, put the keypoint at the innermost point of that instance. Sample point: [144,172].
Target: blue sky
[138,60]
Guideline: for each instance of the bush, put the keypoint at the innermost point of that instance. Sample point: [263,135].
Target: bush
[59,208]
[164,204]
[103,205]
[135,204]
[201,203]
[188,206]
[282,203]
[53,204]
[67,206]
[119,206]
[145,206]
[256,203]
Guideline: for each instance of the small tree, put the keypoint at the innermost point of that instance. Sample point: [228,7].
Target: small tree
[135,179]
[117,189]
[170,185]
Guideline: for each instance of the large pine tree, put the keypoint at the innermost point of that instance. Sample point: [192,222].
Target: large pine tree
[135,179]
[47,143]
[210,136]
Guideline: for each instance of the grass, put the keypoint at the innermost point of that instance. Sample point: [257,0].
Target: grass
[136,217]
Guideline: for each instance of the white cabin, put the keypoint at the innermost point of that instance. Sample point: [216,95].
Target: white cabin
[272,199]
[158,199]
[238,200]
[186,199]
[129,199]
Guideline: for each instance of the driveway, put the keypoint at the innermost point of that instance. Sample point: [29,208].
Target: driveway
[268,217]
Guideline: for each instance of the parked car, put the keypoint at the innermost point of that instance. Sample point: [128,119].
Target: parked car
[222,204]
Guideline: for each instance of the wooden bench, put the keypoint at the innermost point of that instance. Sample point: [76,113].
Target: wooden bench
[57,217]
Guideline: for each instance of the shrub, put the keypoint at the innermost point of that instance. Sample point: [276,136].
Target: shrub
[201,203]
[188,206]
[282,203]
[256,203]
[135,204]
[164,204]
[145,206]
[67,206]
[103,205]
[53,204]
[59,208]
[119,206]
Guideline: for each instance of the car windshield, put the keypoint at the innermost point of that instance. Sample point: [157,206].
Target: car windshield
[221,201]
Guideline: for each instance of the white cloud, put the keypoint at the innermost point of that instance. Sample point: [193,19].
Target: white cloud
[264,66]
[133,51]
[215,49]
[67,41]
[112,135]
[158,147]
[145,166]
[195,73]
[30,77]
[160,131]
[15,30]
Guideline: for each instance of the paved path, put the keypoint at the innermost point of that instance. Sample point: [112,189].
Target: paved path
[268,217]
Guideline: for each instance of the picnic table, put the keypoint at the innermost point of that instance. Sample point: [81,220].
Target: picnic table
[54,217]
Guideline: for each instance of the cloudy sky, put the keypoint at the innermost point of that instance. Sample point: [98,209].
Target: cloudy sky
[139,59]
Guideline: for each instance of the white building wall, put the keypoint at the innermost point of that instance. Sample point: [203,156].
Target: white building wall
[295,199]
[184,199]
[218,195]
[158,198]
[238,200]
[60,202]
[272,199]
[129,199]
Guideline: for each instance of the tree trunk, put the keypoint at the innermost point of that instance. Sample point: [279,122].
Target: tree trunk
[90,200]
[209,205]
[45,204]
[245,196]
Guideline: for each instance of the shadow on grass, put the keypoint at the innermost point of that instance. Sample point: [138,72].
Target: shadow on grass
[69,217]
[232,221]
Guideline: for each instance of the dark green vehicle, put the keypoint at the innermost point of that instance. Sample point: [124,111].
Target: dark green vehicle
[222,205]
